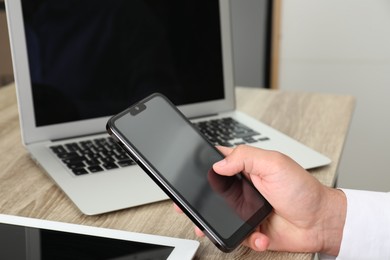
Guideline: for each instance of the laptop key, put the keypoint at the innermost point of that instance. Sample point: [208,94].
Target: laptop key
[58,149]
[246,134]
[250,140]
[125,163]
[95,168]
[67,155]
[79,171]
[109,166]
[92,162]
[75,165]
[74,159]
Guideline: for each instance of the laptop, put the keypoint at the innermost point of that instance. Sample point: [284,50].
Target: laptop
[77,63]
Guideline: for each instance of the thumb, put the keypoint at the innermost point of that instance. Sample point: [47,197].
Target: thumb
[238,160]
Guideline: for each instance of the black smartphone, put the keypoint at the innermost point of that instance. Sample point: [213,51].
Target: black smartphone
[179,159]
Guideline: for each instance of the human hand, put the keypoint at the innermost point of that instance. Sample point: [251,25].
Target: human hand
[238,194]
[307,217]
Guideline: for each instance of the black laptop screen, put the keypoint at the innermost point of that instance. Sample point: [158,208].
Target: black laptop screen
[94,58]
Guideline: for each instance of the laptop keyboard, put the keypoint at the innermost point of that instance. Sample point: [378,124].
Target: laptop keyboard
[92,156]
[228,132]
[102,154]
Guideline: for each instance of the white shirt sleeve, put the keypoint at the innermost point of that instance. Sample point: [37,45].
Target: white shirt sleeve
[366,232]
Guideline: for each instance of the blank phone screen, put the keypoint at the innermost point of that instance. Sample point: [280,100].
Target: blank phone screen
[184,159]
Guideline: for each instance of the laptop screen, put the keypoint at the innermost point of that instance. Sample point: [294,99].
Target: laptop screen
[94,58]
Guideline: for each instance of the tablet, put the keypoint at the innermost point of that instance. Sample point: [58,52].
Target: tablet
[29,238]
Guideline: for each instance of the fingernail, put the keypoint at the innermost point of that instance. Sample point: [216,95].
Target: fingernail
[221,163]
[258,243]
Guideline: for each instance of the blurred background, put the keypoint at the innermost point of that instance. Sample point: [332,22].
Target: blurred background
[343,46]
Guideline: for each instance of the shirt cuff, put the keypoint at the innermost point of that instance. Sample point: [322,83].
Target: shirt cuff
[366,233]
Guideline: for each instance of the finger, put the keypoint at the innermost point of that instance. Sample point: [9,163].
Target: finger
[177,209]
[257,241]
[198,232]
[235,161]
[251,160]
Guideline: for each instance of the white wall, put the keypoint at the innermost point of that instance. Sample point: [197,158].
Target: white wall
[343,46]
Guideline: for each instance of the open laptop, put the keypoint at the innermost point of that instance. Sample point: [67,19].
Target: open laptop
[76,63]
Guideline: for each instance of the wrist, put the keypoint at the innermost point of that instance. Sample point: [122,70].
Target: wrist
[333,220]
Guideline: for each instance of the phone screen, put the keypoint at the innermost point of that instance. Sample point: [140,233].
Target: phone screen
[173,150]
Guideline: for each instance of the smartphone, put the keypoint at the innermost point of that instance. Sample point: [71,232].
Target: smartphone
[165,144]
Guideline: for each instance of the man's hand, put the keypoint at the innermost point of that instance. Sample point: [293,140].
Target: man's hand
[307,217]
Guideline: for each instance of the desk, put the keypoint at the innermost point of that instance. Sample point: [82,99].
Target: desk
[320,121]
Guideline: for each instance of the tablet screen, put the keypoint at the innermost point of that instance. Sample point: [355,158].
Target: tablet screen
[20,242]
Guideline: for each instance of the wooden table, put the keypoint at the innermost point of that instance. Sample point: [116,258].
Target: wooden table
[320,121]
